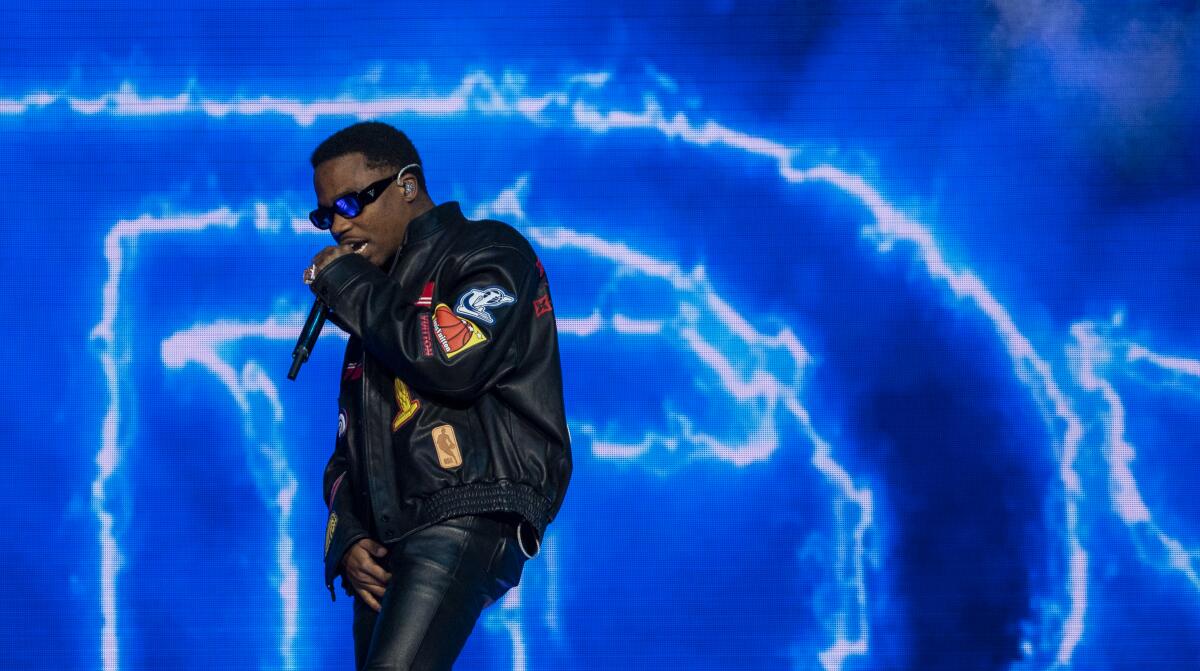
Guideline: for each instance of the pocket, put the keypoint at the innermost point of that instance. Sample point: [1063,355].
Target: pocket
[508,563]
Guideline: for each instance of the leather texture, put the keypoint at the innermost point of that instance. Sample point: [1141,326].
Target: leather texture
[442,578]
[451,394]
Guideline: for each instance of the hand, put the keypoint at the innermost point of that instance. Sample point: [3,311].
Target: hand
[324,258]
[365,571]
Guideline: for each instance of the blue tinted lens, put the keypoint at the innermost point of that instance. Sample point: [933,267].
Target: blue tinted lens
[321,218]
[348,206]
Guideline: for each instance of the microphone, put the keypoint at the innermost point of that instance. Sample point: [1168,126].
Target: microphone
[308,336]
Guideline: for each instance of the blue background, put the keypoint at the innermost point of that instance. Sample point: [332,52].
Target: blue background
[877,321]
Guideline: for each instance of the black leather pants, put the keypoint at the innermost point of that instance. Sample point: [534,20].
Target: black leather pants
[442,578]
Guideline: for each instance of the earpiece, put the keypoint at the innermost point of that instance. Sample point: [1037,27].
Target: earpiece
[408,187]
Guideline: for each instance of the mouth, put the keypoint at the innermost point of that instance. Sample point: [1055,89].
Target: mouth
[356,246]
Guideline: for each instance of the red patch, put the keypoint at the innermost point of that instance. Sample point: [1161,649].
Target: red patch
[353,371]
[541,270]
[542,305]
[426,299]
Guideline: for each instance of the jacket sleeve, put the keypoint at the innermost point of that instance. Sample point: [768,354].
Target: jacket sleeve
[460,345]
[343,528]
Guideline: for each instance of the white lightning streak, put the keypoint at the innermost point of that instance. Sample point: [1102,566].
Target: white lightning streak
[1175,364]
[1094,356]
[201,344]
[851,626]
[892,226]
[701,310]
[478,93]
[115,355]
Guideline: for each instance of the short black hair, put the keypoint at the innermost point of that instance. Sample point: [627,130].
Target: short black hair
[379,143]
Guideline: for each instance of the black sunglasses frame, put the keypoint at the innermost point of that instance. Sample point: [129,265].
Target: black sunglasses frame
[350,204]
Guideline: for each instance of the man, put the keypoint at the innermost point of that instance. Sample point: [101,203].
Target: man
[452,453]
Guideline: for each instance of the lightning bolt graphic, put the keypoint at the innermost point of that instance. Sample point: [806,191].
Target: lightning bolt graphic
[479,94]
[1098,358]
[201,345]
[115,355]
[196,346]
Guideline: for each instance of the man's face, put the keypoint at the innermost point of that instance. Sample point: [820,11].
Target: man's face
[379,229]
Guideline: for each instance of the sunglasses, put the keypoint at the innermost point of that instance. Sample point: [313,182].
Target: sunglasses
[351,204]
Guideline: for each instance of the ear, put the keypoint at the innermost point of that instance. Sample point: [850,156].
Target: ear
[408,184]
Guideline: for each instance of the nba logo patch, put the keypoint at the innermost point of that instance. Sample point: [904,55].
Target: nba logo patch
[446,444]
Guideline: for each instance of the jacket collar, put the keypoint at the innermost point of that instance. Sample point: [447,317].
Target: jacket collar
[432,221]
[428,224]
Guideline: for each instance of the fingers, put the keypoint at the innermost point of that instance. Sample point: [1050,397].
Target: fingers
[376,552]
[375,549]
[368,598]
[322,259]
[364,566]
[367,589]
[370,571]
[364,563]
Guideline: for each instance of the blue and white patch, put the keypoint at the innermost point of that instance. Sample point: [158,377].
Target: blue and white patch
[341,423]
[475,303]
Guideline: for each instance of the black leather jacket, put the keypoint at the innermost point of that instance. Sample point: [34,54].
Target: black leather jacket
[451,394]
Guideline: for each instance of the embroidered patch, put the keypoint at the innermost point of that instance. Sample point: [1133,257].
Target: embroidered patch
[337,484]
[341,423]
[542,305]
[476,303]
[353,371]
[541,270]
[406,405]
[455,334]
[426,335]
[329,529]
[446,443]
[426,298]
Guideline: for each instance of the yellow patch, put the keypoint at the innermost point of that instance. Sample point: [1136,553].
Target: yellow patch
[455,334]
[329,529]
[406,405]
[449,456]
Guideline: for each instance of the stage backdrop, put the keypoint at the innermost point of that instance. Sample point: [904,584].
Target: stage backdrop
[878,320]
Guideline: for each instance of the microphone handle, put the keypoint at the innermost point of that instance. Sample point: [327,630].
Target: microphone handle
[308,336]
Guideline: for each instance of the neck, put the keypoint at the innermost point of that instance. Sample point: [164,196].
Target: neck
[421,206]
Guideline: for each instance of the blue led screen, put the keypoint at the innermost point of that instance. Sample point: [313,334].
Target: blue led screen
[878,325]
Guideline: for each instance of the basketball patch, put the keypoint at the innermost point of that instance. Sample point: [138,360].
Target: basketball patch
[446,443]
[455,334]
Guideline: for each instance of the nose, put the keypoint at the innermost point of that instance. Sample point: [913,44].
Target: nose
[340,227]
